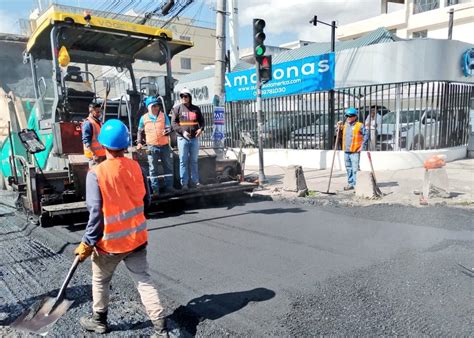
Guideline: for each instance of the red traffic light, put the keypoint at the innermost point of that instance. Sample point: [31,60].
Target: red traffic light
[264,68]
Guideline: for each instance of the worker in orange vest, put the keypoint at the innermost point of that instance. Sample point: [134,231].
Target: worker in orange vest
[116,196]
[93,150]
[354,140]
[156,126]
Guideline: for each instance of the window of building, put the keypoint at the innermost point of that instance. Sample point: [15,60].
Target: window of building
[420,34]
[421,6]
[185,63]
[185,37]
[451,2]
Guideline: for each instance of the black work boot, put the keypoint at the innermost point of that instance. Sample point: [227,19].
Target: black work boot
[97,322]
[160,328]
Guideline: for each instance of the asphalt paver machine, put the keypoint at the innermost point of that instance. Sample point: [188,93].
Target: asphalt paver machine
[52,179]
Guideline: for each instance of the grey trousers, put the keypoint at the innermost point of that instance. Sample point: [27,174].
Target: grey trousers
[103,267]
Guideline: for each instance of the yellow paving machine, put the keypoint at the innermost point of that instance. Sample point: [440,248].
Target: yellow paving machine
[67,43]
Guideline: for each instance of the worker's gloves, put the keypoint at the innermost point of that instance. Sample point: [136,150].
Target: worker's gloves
[83,250]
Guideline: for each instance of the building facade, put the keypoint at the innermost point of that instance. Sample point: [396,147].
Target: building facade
[417,19]
[189,61]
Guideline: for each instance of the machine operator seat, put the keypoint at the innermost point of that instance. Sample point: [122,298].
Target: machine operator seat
[79,93]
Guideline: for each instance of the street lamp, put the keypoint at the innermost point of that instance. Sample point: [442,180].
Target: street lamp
[333,26]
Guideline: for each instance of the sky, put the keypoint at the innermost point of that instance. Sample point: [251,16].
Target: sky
[286,20]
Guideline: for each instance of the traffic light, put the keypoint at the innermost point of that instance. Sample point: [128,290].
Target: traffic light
[258,37]
[264,68]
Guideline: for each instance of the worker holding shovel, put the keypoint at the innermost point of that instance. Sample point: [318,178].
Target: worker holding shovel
[116,230]
[354,140]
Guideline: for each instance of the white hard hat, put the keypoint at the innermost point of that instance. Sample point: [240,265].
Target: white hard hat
[185,91]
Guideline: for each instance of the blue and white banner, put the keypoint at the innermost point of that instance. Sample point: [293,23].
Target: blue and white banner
[219,130]
[313,73]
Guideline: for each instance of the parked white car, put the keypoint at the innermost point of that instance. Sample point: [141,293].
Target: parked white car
[418,128]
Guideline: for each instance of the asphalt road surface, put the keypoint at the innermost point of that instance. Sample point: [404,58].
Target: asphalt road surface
[261,268]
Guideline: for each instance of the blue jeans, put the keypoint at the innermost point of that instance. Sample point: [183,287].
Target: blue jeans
[188,157]
[162,153]
[352,166]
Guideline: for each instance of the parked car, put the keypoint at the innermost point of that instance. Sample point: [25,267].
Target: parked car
[365,110]
[314,136]
[277,129]
[418,129]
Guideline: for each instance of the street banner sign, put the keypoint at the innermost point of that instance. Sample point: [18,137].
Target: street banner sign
[219,131]
[310,74]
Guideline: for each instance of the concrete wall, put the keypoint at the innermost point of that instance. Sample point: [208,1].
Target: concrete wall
[402,61]
[322,159]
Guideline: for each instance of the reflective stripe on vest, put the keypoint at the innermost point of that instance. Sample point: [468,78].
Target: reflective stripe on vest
[186,123]
[154,130]
[122,188]
[357,138]
[123,216]
[95,146]
[124,233]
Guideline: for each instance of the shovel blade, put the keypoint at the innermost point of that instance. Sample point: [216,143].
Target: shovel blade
[41,316]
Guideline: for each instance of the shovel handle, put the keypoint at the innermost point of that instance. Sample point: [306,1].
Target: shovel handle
[70,273]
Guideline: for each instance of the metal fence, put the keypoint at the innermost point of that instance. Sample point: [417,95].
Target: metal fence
[405,116]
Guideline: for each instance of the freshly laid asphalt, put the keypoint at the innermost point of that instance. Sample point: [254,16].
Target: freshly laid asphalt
[251,267]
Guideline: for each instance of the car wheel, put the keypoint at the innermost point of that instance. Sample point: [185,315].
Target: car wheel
[418,143]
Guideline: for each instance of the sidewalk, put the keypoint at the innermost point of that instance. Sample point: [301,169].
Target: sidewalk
[398,186]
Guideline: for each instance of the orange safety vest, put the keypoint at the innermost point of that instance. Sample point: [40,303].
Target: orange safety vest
[122,188]
[357,138]
[154,130]
[95,146]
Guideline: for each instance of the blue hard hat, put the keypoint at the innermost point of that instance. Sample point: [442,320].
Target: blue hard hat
[351,112]
[114,135]
[151,100]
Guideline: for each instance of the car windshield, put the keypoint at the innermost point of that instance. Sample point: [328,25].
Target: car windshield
[406,116]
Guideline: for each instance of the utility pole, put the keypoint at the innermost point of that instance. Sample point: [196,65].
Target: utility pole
[331,97]
[219,76]
[220,52]
[234,33]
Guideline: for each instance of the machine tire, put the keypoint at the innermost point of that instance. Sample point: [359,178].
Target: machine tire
[45,220]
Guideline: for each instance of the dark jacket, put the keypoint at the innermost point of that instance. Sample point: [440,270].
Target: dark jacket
[182,115]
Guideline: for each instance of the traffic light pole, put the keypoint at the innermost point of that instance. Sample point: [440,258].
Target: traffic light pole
[332,102]
[259,54]
[261,174]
